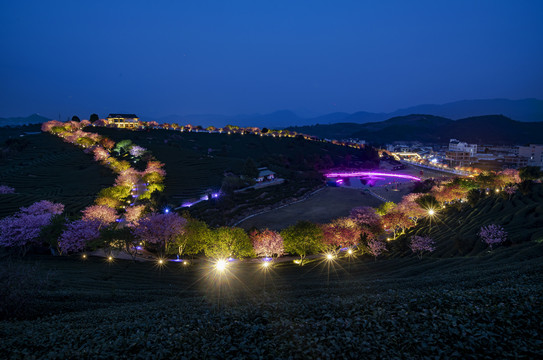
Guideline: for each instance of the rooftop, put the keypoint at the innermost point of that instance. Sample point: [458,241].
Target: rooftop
[124,116]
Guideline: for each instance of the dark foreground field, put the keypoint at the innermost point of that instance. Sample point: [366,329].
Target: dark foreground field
[487,306]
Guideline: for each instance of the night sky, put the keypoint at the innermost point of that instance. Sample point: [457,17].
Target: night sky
[156,58]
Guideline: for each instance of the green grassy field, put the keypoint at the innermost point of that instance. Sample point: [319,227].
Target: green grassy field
[486,306]
[49,169]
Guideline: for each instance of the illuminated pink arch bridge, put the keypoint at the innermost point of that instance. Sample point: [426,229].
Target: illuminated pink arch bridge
[369,173]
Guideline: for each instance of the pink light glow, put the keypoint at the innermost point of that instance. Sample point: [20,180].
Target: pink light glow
[366,173]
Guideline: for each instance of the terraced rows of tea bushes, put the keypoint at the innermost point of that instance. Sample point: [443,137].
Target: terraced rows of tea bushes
[49,169]
[455,229]
[191,171]
[489,307]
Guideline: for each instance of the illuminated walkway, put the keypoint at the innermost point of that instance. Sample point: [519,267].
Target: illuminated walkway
[369,173]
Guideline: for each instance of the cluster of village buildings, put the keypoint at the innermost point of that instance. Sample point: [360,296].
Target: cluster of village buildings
[460,154]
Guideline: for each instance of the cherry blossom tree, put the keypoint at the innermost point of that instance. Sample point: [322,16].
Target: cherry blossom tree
[43,207]
[376,247]
[104,215]
[77,235]
[340,233]
[421,244]
[23,229]
[509,176]
[100,154]
[155,167]
[49,125]
[128,177]
[137,150]
[510,190]
[133,214]
[85,123]
[4,189]
[411,208]
[267,243]
[492,234]
[107,143]
[100,122]
[160,229]
[397,222]
[365,215]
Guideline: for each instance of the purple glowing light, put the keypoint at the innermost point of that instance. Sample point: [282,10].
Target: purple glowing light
[366,173]
[215,195]
[339,181]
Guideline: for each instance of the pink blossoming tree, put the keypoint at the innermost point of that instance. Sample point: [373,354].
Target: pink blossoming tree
[341,233]
[160,230]
[133,214]
[4,189]
[376,247]
[267,243]
[104,215]
[137,150]
[43,207]
[128,177]
[421,244]
[23,229]
[100,154]
[492,234]
[366,217]
[77,235]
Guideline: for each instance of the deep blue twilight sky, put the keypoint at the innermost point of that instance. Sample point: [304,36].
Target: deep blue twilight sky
[157,58]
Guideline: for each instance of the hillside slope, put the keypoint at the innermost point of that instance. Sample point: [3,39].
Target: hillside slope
[455,229]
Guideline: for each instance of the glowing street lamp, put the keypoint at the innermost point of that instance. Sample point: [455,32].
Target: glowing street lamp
[220,265]
[110,258]
[84,256]
[329,256]
[350,251]
[431,212]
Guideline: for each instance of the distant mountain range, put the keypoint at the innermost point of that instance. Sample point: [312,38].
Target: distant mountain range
[519,122]
[16,121]
[489,129]
[527,110]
